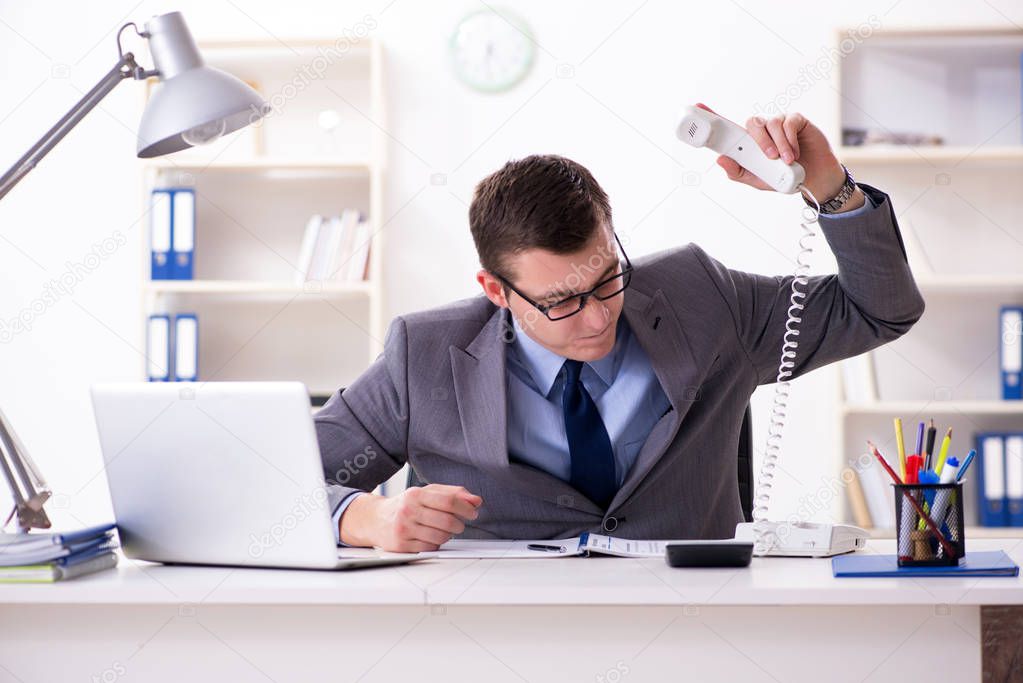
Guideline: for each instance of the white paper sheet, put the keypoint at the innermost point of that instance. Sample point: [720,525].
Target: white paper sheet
[461,549]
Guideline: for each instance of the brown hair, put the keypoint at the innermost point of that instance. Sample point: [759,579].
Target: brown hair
[542,201]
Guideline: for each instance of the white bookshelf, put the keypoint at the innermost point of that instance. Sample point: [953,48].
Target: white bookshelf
[935,407]
[957,205]
[263,165]
[256,287]
[255,191]
[885,154]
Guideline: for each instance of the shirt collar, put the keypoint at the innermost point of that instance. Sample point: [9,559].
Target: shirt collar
[544,365]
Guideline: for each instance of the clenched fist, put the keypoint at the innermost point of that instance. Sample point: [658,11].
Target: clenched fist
[419,519]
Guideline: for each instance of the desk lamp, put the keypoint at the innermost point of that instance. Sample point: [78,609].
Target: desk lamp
[193,104]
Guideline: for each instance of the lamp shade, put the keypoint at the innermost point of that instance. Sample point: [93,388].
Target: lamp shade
[193,101]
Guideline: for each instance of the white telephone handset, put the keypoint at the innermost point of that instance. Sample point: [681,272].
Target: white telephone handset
[701,128]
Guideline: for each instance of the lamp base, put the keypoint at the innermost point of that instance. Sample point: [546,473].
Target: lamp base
[31,514]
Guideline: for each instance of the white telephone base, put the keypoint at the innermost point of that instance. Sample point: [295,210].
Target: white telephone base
[806,539]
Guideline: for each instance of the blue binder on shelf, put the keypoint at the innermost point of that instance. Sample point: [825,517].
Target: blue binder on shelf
[988,563]
[158,346]
[991,490]
[186,348]
[161,226]
[1014,478]
[1010,326]
[182,233]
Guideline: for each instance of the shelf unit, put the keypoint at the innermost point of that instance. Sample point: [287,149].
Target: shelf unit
[972,532]
[261,165]
[957,206]
[321,150]
[311,288]
[959,154]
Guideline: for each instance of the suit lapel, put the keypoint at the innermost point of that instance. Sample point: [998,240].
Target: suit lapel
[481,390]
[480,382]
[659,333]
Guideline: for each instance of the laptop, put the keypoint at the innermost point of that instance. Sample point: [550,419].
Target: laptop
[220,473]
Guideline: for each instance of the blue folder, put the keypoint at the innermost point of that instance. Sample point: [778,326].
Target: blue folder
[182,233]
[161,234]
[1011,353]
[989,563]
[88,533]
[991,500]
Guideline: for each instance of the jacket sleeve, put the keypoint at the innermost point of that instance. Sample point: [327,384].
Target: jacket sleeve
[363,429]
[872,300]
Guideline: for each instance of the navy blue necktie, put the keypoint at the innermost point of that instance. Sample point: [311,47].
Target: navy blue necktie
[593,463]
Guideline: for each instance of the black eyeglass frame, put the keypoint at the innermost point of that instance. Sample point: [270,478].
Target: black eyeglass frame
[583,297]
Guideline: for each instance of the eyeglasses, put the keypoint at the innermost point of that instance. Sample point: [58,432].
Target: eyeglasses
[569,306]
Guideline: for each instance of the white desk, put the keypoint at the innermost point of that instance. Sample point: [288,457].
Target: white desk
[582,619]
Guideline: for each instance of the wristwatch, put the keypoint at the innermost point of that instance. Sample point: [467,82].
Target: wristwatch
[839,200]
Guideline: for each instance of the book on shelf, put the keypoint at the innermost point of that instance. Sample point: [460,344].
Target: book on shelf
[308,248]
[859,381]
[857,500]
[335,248]
[878,495]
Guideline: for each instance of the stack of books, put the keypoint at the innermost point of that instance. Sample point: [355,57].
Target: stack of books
[335,248]
[48,557]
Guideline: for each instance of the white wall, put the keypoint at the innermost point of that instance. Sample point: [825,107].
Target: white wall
[634,64]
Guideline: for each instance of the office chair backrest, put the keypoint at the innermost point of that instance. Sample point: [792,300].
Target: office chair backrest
[745,466]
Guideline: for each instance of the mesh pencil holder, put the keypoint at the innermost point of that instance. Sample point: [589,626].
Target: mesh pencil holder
[918,544]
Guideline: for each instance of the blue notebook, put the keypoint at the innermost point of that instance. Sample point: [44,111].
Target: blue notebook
[990,563]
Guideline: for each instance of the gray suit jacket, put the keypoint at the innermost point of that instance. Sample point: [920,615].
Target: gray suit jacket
[436,398]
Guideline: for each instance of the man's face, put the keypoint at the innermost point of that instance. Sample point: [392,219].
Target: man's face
[546,278]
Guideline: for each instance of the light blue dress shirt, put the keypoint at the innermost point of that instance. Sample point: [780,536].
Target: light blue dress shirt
[622,384]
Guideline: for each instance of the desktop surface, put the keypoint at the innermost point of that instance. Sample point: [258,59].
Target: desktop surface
[551,581]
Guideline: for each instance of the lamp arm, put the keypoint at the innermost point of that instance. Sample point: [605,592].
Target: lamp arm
[32,492]
[126,67]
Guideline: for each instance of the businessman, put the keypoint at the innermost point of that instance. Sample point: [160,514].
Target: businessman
[584,390]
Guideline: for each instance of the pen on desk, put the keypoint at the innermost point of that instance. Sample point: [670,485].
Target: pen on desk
[546,548]
[901,443]
[912,501]
[929,449]
[966,463]
[944,450]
